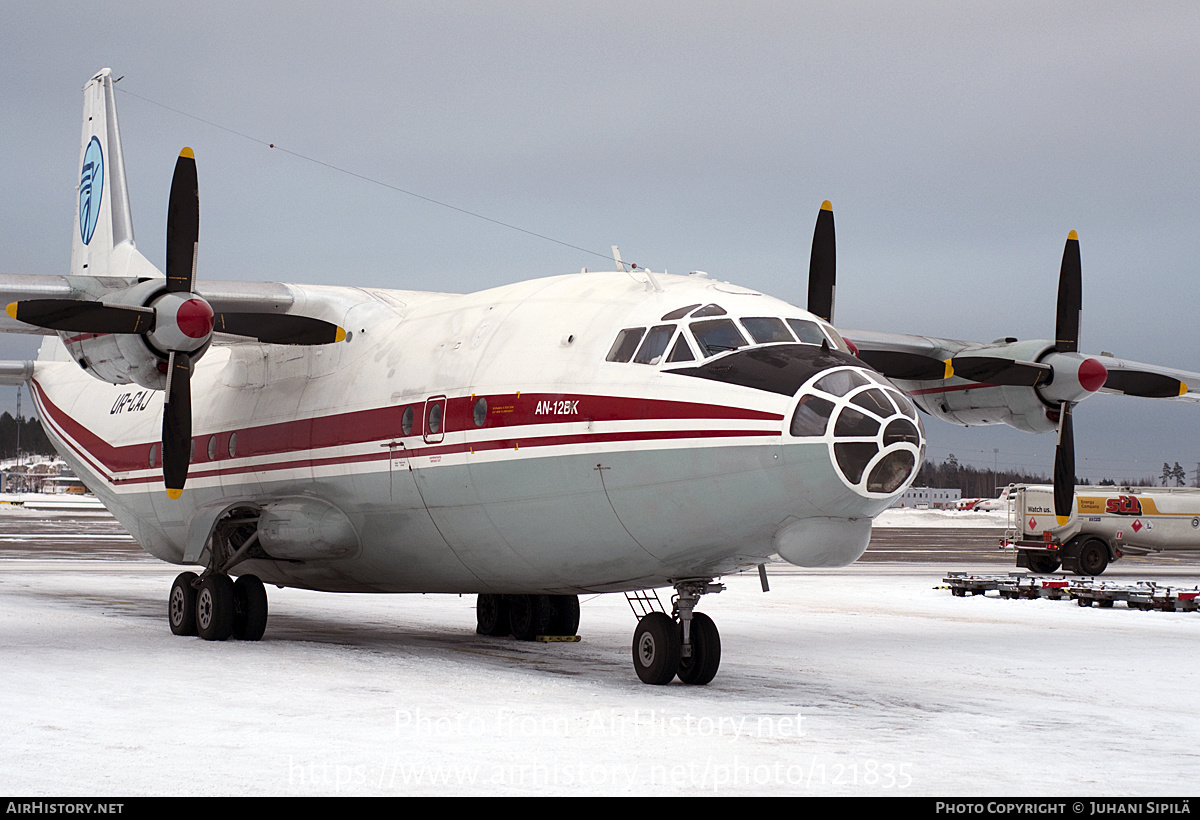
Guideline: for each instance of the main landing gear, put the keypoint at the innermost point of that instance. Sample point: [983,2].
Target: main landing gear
[216,607]
[686,643]
[527,617]
[213,605]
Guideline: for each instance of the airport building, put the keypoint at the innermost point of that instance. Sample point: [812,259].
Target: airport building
[933,498]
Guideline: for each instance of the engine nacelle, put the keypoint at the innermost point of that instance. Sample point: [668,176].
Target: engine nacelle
[1074,377]
[124,358]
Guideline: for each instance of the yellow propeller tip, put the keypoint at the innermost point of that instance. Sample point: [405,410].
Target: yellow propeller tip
[173,494]
[949,368]
[1062,520]
[11,310]
[1073,235]
[187,152]
[340,335]
[1183,388]
[827,205]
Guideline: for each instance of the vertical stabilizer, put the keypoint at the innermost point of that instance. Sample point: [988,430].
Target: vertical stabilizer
[102,217]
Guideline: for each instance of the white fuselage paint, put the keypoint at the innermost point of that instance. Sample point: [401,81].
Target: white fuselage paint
[584,475]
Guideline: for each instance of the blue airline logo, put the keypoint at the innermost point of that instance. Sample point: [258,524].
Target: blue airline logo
[91,189]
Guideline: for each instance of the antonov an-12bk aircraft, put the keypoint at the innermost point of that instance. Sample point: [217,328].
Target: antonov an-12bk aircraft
[595,432]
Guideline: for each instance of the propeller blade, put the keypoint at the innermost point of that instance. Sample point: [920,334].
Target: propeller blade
[822,265]
[907,366]
[279,329]
[183,225]
[177,423]
[82,317]
[1070,298]
[995,370]
[1064,466]
[1144,384]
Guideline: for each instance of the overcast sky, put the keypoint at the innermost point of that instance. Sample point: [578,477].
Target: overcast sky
[959,143]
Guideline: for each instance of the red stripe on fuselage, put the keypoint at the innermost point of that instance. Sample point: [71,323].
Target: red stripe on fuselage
[384,423]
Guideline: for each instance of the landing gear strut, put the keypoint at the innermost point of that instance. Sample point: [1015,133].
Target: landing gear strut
[686,643]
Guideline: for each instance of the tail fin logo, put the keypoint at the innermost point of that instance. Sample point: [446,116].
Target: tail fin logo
[91,189]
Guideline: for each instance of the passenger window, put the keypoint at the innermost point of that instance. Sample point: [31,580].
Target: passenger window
[807,332]
[682,351]
[716,336]
[655,345]
[767,329]
[626,343]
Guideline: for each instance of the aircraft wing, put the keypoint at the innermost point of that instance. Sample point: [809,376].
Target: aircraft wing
[18,287]
[233,297]
[872,343]
[924,358]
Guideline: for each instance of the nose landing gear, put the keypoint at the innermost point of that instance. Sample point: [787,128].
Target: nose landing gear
[685,644]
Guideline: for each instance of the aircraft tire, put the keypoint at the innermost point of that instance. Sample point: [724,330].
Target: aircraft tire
[1042,564]
[702,666]
[181,605]
[564,615]
[528,615]
[214,608]
[1093,557]
[250,608]
[491,615]
[656,649]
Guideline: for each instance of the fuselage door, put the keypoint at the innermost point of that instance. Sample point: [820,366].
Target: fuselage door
[434,428]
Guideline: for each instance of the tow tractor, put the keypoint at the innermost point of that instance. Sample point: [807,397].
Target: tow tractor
[1103,527]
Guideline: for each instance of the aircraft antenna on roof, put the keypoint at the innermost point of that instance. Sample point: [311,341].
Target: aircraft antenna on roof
[617,258]
[651,282]
[363,177]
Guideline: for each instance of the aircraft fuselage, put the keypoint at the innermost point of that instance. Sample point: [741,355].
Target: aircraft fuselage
[486,443]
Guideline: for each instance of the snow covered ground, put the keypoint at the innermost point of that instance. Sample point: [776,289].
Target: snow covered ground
[868,680]
[911,517]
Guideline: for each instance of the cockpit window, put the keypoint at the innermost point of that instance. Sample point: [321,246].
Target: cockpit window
[766,329]
[709,310]
[680,313]
[682,351]
[807,332]
[841,382]
[837,339]
[875,401]
[811,416]
[626,343]
[655,345]
[905,406]
[717,336]
[853,423]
